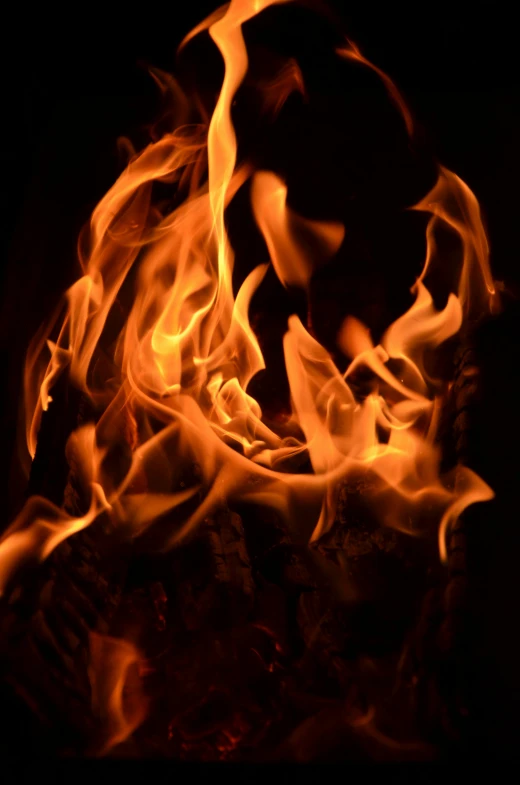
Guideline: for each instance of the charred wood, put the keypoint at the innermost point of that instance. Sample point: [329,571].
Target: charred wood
[45,624]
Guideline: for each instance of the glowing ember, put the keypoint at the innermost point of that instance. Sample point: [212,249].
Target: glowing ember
[172,388]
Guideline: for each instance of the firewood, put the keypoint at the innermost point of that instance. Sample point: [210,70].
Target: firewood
[214,573]
[435,655]
[355,533]
[275,555]
[45,634]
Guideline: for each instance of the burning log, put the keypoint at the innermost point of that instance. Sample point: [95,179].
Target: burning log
[275,556]
[453,632]
[436,657]
[45,639]
[211,643]
[466,397]
[354,533]
[46,626]
[214,573]
[385,571]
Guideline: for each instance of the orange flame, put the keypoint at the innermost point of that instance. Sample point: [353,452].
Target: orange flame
[117,694]
[294,242]
[451,203]
[187,352]
[352,52]
[180,367]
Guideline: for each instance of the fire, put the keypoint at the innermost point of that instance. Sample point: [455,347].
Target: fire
[117,694]
[172,385]
[290,238]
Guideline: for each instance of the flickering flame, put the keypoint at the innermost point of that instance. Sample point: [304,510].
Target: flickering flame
[173,386]
[117,694]
[290,238]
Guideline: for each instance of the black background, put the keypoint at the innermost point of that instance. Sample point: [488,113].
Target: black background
[74,81]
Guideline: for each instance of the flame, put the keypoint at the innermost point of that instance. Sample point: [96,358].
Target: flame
[41,525]
[172,385]
[287,80]
[452,204]
[187,352]
[290,238]
[117,694]
[351,51]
